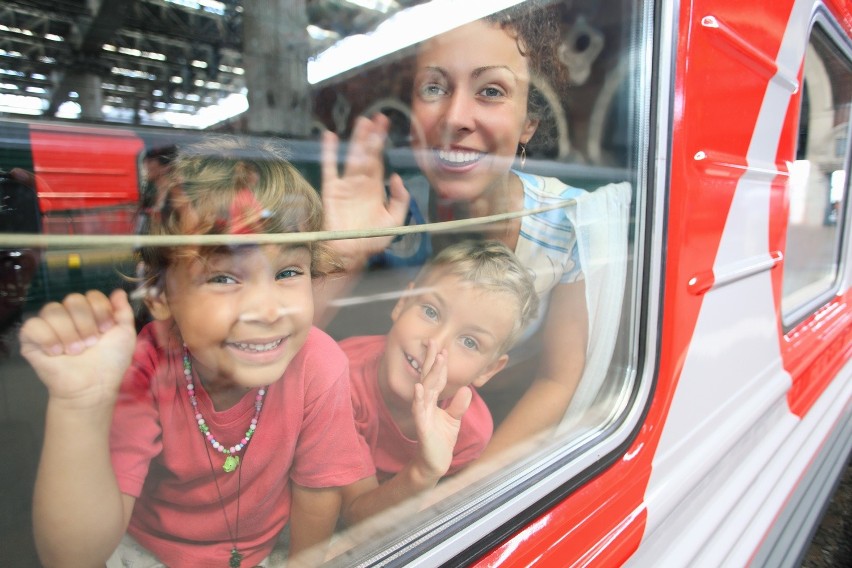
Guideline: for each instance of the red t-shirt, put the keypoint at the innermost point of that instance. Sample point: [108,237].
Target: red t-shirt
[388,447]
[305,433]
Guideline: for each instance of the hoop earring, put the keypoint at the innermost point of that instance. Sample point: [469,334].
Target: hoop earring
[523,155]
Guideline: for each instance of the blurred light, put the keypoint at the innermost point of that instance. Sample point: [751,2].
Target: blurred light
[204,5]
[15,30]
[837,186]
[378,5]
[800,172]
[21,104]
[230,106]
[403,29]
[319,33]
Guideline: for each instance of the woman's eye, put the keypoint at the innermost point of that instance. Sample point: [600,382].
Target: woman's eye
[430,312]
[491,92]
[430,90]
[469,343]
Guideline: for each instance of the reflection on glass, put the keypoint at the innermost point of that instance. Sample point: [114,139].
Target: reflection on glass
[516,124]
[818,180]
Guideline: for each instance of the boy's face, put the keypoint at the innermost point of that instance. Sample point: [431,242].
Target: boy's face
[243,313]
[471,323]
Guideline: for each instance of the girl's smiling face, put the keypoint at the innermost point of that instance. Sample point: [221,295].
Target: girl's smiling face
[469,109]
[242,313]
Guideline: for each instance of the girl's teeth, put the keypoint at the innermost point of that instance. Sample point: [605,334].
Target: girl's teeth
[413,362]
[258,347]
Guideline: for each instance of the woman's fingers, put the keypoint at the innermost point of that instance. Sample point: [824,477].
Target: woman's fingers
[364,156]
[399,200]
[328,158]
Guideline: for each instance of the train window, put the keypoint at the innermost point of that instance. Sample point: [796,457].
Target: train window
[482,177]
[819,184]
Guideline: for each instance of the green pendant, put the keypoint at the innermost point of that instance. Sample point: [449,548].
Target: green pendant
[231,463]
[236,558]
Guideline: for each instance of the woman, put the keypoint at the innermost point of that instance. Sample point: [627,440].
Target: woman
[471,115]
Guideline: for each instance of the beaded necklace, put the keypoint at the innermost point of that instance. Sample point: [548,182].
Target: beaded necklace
[232,461]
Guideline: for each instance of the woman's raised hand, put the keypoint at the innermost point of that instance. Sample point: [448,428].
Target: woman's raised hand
[357,199]
[81,347]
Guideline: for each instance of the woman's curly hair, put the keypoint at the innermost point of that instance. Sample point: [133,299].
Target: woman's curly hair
[537,32]
[536,27]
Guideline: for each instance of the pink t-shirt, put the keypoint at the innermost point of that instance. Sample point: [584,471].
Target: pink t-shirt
[305,433]
[389,448]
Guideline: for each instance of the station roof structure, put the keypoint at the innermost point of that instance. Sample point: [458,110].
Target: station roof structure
[153,57]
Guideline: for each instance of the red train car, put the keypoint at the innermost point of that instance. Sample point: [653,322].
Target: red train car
[714,417]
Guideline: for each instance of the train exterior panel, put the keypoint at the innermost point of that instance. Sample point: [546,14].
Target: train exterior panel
[749,421]
[736,422]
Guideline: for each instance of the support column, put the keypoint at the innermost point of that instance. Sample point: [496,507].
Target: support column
[88,87]
[275,56]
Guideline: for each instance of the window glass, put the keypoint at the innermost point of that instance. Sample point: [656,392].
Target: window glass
[819,181]
[480,171]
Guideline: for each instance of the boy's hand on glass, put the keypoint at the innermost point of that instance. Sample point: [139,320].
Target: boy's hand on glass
[80,348]
[357,199]
[437,428]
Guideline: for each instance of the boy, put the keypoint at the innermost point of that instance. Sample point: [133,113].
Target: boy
[413,395]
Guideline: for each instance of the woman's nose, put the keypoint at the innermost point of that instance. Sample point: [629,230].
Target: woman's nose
[459,112]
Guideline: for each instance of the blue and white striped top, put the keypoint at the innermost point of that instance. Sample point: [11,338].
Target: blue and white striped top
[547,244]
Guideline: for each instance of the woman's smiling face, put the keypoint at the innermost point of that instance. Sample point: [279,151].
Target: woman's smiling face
[469,109]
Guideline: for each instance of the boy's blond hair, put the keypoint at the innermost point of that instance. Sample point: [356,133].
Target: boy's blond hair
[230,185]
[492,266]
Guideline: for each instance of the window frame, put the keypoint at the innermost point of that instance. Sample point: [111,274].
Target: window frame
[516,496]
[823,22]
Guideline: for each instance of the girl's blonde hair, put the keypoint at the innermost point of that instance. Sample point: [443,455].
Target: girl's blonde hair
[489,265]
[229,185]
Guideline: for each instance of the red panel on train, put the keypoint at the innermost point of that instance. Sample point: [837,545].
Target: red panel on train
[85,168]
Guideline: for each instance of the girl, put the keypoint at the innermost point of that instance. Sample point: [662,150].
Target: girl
[230,417]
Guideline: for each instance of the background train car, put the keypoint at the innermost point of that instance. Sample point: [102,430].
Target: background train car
[714,416]
[84,181]
[87,180]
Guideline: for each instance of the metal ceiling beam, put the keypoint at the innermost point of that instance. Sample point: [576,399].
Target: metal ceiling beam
[180,33]
[91,33]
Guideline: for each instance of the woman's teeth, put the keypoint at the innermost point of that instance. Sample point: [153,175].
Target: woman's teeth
[258,347]
[458,158]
